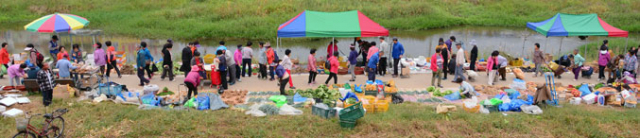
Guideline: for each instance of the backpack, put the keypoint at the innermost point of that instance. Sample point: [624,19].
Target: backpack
[275,56]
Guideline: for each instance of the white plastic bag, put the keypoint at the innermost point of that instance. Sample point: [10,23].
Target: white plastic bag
[254,110]
[484,110]
[150,89]
[590,98]
[289,110]
[531,109]
[12,113]
[505,100]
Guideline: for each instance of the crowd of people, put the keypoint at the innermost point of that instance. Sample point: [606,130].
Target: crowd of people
[229,67]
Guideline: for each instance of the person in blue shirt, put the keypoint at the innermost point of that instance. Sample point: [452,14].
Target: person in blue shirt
[352,62]
[53,48]
[148,58]
[32,73]
[141,61]
[372,65]
[64,67]
[397,53]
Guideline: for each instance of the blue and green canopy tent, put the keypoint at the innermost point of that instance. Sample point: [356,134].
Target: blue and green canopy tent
[563,24]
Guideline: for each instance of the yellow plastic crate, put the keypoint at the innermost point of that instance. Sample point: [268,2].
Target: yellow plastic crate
[369,107]
[381,107]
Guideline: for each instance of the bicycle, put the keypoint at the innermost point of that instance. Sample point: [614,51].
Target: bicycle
[50,127]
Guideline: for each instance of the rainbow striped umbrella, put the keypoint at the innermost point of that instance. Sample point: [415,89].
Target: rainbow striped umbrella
[58,22]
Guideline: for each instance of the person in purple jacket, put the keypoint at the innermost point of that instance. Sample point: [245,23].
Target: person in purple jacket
[352,62]
[100,57]
[603,60]
[193,80]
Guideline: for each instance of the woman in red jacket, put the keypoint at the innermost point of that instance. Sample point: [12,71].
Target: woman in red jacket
[333,72]
[437,63]
[492,67]
[4,55]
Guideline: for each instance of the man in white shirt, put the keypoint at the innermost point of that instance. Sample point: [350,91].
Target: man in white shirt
[382,66]
[460,60]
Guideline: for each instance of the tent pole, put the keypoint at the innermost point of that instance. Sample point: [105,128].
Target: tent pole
[560,49]
[277,43]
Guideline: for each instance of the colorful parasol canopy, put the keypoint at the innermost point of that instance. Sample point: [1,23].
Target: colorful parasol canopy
[58,22]
[331,24]
[576,25]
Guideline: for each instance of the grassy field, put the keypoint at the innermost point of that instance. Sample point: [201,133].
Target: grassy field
[403,120]
[617,45]
[258,19]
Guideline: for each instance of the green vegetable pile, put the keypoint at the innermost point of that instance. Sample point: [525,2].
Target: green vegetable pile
[598,86]
[269,109]
[440,94]
[322,92]
[351,101]
[165,92]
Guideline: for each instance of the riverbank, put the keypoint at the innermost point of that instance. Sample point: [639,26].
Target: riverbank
[254,19]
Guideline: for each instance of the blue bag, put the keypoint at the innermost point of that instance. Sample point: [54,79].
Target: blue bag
[499,96]
[149,99]
[585,90]
[350,95]
[298,98]
[514,95]
[203,102]
[358,88]
[452,97]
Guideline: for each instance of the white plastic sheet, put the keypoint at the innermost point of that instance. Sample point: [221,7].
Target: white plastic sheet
[8,101]
[12,113]
[531,109]
[289,110]
[23,100]
[2,108]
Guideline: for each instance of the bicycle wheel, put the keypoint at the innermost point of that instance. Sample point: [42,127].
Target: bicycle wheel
[57,126]
[24,134]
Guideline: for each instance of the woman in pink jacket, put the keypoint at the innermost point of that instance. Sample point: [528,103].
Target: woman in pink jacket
[312,67]
[193,80]
[492,67]
[333,72]
[437,63]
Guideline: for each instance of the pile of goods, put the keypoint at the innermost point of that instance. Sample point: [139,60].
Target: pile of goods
[128,69]
[322,93]
[233,97]
[82,68]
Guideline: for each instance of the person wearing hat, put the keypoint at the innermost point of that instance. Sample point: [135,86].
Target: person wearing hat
[460,60]
[397,54]
[187,55]
[262,60]
[445,56]
[353,55]
[99,57]
[384,47]
[473,55]
[33,55]
[247,55]
[53,48]
[192,81]
[16,72]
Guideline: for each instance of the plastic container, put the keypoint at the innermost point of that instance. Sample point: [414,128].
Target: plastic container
[473,109]
[373,93]
[324,113]
[109,89]
[353,112]
[370,108]
[381,106]
[601,100]
[21,124]
[347,123]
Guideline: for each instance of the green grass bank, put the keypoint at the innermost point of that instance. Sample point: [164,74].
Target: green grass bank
[258,19]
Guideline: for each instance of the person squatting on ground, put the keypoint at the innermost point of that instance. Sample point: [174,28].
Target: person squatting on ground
[333,72]
[492,67]
[192,81]
[312,67]
[466,89]
[578,60]
[437,64]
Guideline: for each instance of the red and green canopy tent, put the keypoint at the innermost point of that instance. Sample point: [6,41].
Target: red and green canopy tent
[331,24]
[576,25]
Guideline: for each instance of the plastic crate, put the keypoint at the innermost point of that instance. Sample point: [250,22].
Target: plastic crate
[370,108]
[371,93]
[347,123]
[353,112]
[492,108]
[324,113]
[290,100]
[109,89]
[381,106]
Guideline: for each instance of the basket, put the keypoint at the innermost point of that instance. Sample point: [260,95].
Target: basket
[347,123]
[475,109]
[324,113]
[21,124]
[353,112]
[381,106]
